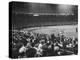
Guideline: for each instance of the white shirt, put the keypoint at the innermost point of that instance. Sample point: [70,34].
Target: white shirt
[22,49]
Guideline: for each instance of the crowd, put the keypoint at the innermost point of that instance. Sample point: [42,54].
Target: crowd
[38,45]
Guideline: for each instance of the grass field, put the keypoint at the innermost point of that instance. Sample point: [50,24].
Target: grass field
[67,30]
